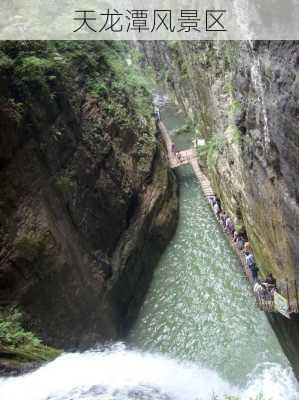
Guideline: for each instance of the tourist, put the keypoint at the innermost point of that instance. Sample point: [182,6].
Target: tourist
[250,261]
[254,272]
[227,222]
[259,289]
[216,209]
[249,258]
[232,229]
[211,200]
[247,247]
[179,156]
[240,242]
[173,148]
[217,200]
[219,203]
[235,237]
[223,218]
[157,114]
[270,280]
[229,226]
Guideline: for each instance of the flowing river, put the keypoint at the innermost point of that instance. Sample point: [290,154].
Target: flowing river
[199,333]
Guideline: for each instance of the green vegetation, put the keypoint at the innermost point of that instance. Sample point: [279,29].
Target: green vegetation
[188,128]
[108,71]
[64,184]
[180,59]
[6,62]
[31,66]
[125,88]
[234,107]
[232,134]
[172,45]
[19,344]
[30,248]
[209,152]
[231,54]
[229,88]
[16,110]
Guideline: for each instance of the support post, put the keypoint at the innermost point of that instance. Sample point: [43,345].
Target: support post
[296,290]
[288,294]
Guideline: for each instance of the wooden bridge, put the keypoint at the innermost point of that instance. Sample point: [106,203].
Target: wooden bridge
[287,289]
[176,159]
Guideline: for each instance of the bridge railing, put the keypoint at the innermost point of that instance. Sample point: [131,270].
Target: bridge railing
[288,288]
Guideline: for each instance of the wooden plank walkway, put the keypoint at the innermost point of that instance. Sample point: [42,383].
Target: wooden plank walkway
[189,157]
[185,157]
[202,179]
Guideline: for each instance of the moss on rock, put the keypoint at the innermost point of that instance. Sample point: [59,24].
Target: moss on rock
[19,348]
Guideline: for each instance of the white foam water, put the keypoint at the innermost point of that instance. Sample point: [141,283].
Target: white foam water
[120,374]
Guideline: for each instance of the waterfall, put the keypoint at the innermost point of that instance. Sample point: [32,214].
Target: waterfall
[117,373]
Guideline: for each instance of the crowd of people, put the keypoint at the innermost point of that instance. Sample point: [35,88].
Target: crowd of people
[242,244]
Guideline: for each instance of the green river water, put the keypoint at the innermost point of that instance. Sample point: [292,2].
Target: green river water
[200,307]
[199,332]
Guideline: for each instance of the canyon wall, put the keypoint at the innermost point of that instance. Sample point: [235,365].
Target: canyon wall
[87,202]
[242,99]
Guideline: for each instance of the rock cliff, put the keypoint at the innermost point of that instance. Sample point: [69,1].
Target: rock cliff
[242,98]
[87,200]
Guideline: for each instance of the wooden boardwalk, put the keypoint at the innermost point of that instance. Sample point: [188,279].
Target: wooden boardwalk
[185,157]
[202,179]
[289,289]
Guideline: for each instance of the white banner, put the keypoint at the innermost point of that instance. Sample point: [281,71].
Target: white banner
[149,20]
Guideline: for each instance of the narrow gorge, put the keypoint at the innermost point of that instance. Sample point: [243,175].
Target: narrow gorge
[112,263]
[242,98]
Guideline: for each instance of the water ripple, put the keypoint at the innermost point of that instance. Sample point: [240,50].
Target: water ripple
[199,307]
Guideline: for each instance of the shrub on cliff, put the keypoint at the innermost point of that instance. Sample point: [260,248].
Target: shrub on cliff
[30,248]
[20,344]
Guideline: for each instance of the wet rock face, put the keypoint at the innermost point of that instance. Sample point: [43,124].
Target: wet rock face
[270,153]
[243,99]
[85,211]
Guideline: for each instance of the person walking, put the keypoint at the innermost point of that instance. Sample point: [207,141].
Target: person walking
[236,235]
[218,201]
[247,247]
[250,262]
[157,114]
[240,242]
[216,209]
[254,272]
[223,218]
[270,280]
[230,228]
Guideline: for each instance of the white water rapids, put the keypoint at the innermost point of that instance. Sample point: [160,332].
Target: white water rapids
[118,374]
[199,333]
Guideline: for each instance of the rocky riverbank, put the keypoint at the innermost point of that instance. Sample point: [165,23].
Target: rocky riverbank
[87,200]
